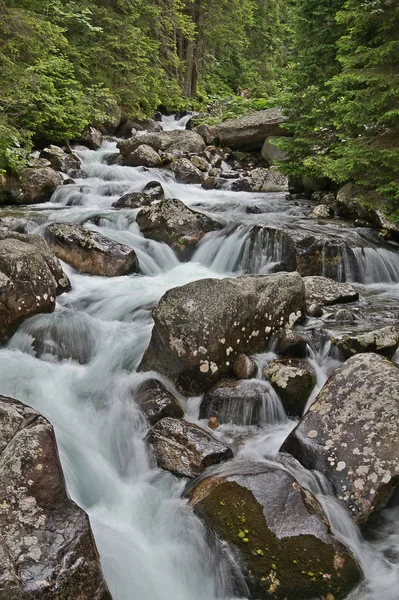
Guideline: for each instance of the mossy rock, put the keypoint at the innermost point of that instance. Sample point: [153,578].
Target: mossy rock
[280,532]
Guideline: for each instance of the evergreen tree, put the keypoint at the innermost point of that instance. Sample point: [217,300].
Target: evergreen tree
[314,33]
[366,103]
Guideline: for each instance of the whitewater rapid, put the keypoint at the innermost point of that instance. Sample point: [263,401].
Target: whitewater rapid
[78,365]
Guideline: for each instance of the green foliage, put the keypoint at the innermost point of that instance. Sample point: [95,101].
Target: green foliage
[342,96]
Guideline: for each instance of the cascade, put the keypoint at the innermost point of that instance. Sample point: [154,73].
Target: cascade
[78,365]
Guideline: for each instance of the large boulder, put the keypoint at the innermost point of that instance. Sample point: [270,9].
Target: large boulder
[144,156]
[46,545]
[156,402]
[266,180]
[181,141]
[325,291]
[30,279]
[240,402]
[185,449]
[186,172]
[91,252]
[351,434]
[250,131]
[279,533]
[172,222]
[60,160]
[200,328]
[271,153]
[32,186]
[293,379]
[384,341]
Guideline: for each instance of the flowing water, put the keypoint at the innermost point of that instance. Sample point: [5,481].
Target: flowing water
[77,367]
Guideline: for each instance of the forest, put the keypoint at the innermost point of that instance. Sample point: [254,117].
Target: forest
[332,66]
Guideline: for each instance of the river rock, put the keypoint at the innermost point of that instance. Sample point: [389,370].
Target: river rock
[250,131]
[325,291]
[32,186]
[265,180]
[60,160]
[239,402]
[279,533]
[154,189]
[200,328]
[245,367]
[351,434]
[244,184]
[200,163]
[184,448]
[182,141]
[92,138]
[125,130]
[214,183]
[132,200]
[156,402]
[271,153]
[46,545]
[323,211]
[144,156]
[291,343]
[30,279]
[207,132]
[151,191]
[349,206]
[171,222]
[293,379]
[90,252]
[384,341]
[186,172]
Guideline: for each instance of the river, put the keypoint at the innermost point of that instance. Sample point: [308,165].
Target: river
[77,367]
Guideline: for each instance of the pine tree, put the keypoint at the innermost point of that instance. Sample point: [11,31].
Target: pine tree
[367,101]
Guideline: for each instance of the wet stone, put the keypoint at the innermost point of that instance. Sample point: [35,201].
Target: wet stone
[278,531]
[384,341]
[156,402]
[184,448]
[293,379]
[244,367]
[91,252]
[46,544]
[325,291]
